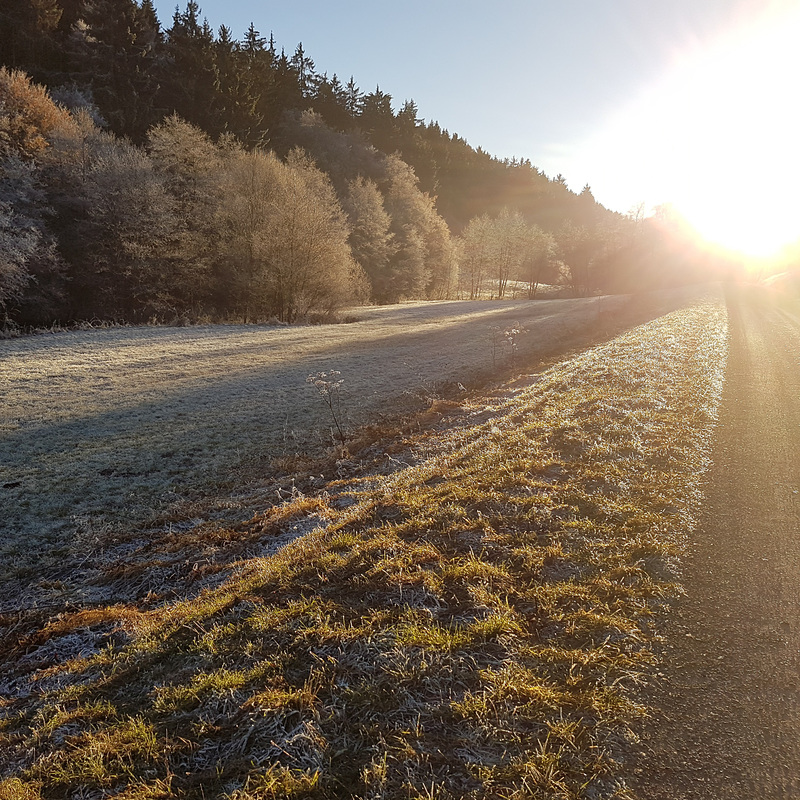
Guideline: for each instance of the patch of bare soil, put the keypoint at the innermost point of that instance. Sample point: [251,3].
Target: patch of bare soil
[726,708]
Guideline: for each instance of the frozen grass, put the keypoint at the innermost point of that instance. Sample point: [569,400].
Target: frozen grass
[104,429]
[472,627]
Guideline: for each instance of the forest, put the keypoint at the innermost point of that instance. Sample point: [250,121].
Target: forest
[152,174]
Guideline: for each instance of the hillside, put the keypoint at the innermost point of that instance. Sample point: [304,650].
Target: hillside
[475,623]
[138,70]
[180,175]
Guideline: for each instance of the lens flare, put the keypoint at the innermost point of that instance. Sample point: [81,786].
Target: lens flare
[718,138]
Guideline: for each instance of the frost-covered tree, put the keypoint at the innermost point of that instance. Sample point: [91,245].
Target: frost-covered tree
[423,252]
[28,117]
[18,242]
[493,249]
[510,241]
[371,240]
[186,156]
[190,165]
[311,254]
[442,255]
[476,256]
[31,274]
[420,257]
[410,211]
[32,280]
[285,238]
[130,234]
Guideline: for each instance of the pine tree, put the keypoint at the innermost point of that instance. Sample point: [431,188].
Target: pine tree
[150,18]
[191,87]
[116,51]
[330,101]
[304,67]
[353,97]
[235,108]
[283,93]
[253,42]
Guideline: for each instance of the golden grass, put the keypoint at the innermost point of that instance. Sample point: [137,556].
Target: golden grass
[476,626]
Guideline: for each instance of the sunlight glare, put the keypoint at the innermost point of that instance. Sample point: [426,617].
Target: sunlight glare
[718,138]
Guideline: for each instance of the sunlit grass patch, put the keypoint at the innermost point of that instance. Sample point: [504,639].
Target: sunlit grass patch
[472,627]
[278,782]
[100,757]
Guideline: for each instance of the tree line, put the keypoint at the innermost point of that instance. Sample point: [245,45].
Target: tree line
[149,174]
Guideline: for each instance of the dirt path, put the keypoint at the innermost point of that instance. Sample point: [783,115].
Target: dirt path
[726,721]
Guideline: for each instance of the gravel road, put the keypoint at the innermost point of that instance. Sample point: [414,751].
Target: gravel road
[726,718]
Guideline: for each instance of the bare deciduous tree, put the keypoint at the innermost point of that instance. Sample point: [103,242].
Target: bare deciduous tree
[131,226]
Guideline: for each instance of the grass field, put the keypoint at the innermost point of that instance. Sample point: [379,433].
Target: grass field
[107,429]
[475,625]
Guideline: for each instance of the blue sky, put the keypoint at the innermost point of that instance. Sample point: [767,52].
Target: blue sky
[555,81]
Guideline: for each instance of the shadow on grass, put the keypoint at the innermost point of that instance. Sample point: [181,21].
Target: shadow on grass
[129,462]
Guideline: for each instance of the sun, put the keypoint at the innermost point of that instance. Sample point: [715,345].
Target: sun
[719,138]
[736,135]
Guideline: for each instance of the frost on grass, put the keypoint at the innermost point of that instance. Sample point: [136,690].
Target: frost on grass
[474,627]
[328,386]
[106,429]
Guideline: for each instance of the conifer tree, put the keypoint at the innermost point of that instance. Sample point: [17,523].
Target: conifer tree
[115,52]
[190,88]
[330,101]
[353,97]
[304,69]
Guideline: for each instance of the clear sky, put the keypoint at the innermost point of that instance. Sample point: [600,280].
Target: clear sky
[684,101]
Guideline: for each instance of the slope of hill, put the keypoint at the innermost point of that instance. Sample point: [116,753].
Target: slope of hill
[474,625]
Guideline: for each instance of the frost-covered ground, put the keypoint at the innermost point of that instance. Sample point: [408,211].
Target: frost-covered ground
[107,427]
[498,604]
